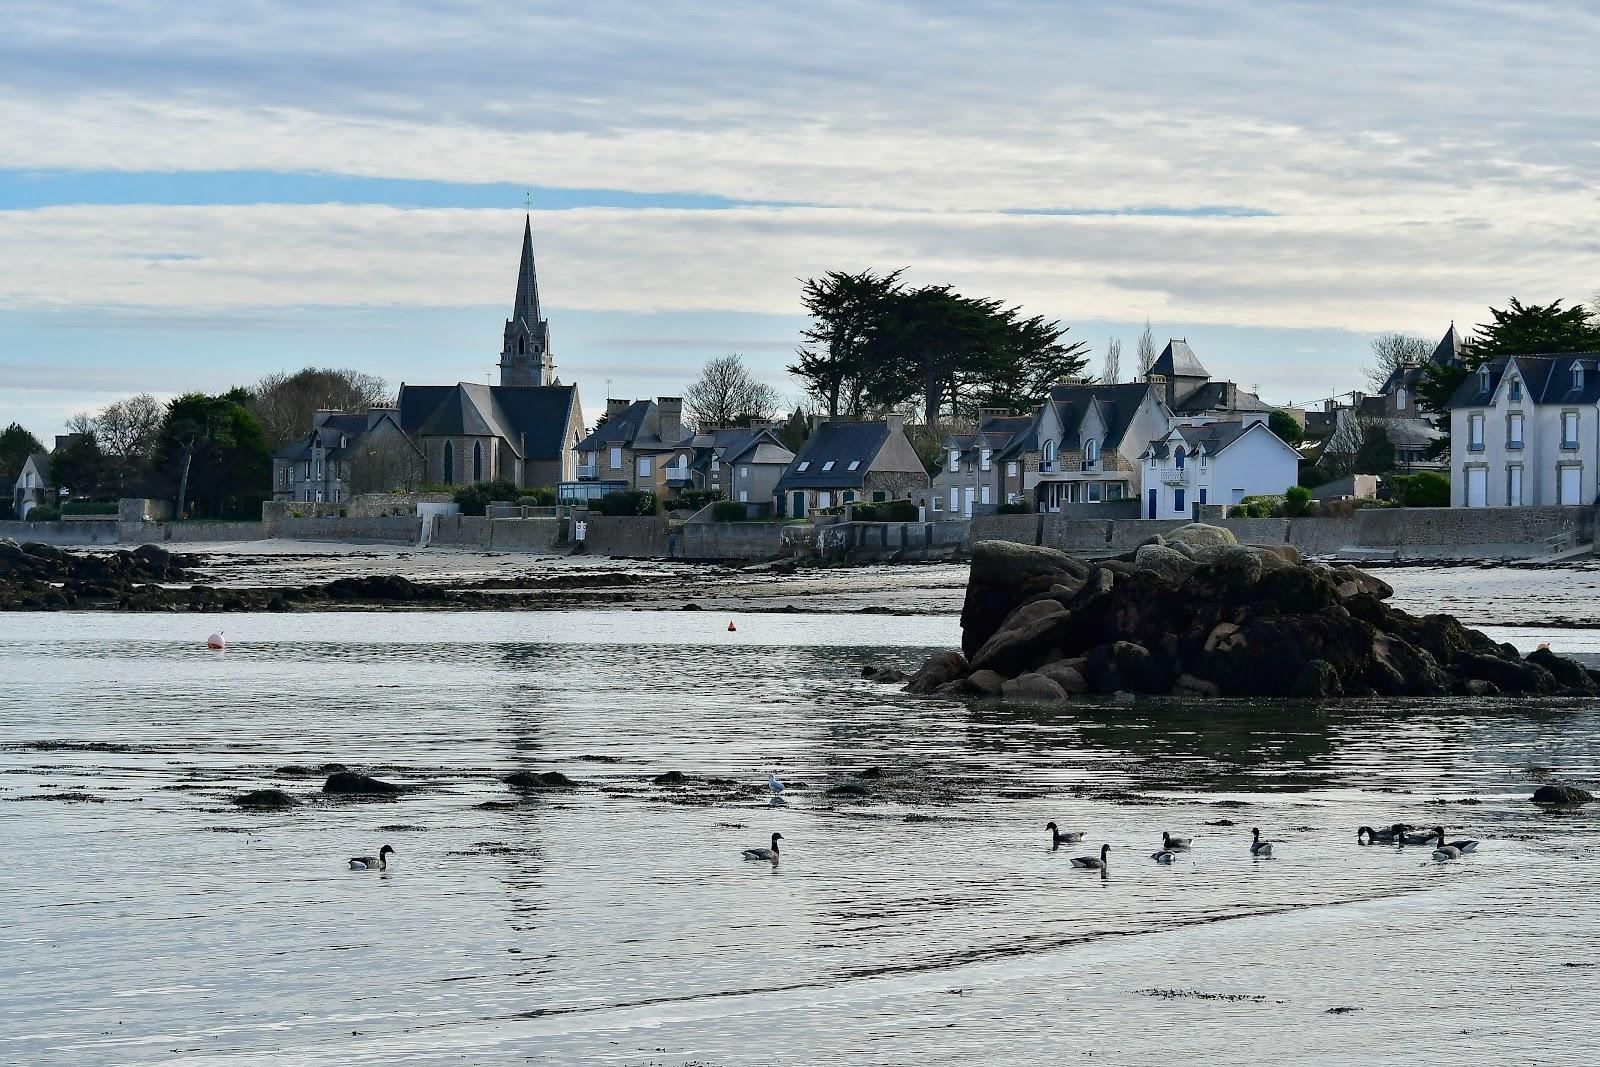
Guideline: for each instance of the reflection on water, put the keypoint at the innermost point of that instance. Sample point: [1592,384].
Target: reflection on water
[918,912]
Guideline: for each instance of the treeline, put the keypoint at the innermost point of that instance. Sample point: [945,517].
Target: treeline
[210,453]
[877,344]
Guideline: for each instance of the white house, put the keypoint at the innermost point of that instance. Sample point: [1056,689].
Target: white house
[1525,430]
[1214,463]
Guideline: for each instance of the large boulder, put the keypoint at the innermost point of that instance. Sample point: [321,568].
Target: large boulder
[1569,674]
[1033,688]
[937,670]
[1508,675]
[1067,676]
[1124,666]
[1004,575]
[1205,541]
[1317,678]
[1561,794]
[985,683]
[1026,633]
[1168,563]
[266,800]
[1363,582]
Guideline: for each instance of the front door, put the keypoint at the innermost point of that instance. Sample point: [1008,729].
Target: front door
[1571,478]
[799,506]
[1477,487]
[1153,504]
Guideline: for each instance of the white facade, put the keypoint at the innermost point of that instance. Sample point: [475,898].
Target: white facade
[1216,463]
[1082,464]
[1509,449]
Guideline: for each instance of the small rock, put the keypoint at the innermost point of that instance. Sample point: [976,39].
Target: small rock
[1033,688]
[352,783]
[1068,677]
[670,778]
[985,683]
[538,780]
[1561,794]
[848,789]
[266,800]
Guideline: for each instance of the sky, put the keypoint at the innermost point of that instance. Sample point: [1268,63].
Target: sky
[192,196]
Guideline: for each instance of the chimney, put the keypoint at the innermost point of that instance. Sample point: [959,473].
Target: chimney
[375,415]
[993,413]
[616,406]
[322,416]
[896,424]
[1230,395]
[818,421]
[1069,379]
[669,416]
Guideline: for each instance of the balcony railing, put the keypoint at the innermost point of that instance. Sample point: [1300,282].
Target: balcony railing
[587,472]
[1173,476]
[1090,466]
[676,474]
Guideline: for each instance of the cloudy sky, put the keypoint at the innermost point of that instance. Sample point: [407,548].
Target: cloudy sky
[193,195]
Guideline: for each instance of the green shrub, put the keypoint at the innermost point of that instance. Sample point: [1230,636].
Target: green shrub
[1257,507]
[89,507]
[695,499]
[542,497]
[1013,509]
[1296,501]
[44,513]
[625,502]
[475,498]
[729,511]
[898,511]
[1425,489]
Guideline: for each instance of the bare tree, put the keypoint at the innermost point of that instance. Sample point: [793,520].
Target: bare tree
[1147,349]
[128,428]
[385,460]
[284,403]
[1391,351]
[727,393]
[1113,370]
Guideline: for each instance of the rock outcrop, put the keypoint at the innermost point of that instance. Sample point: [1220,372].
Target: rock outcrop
[1195,614]
[353,783]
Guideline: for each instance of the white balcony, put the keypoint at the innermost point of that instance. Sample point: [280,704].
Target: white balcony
[587,472]
[676,474]
[1174,476]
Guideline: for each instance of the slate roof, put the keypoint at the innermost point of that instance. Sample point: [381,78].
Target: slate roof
[531,419]
[1447,353]
[1117,405]
[1215,436]
[1178,360]
[41,466]
[1213,396]
[839,443]
[632,427]
[1547,379]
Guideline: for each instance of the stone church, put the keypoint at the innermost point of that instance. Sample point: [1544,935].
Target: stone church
[520,431]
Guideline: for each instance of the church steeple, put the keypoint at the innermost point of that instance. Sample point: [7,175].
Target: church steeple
[525,357]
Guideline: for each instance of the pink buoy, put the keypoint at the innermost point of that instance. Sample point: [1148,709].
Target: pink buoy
[216,641]
[731,626]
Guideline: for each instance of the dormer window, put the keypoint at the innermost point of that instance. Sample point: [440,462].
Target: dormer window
[1516,390]
[1049,463]
[1483,378]
[1177,457]
[1577,375]
[955,459]
[1400,398]
[1091,451]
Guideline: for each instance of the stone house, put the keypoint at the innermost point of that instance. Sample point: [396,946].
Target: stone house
[630,450]
[1525,431]
[973,478]
[323,465]
[1085,443]
[1214,463]
[1188,391]
[469,432]
[844,461]
[33,487]
[742,463]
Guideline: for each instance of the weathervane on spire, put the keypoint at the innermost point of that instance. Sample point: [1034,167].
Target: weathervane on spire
[527,199]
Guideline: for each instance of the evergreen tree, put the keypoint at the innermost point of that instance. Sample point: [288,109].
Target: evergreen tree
[211,451]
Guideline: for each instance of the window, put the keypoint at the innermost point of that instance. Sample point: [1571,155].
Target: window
[1094,492]
[1201,499]
[616,459]
[1177,458]
[1483,378]
[1475,433]
[319,496]
[847,497]
[1577,375]
[805,465]
[744,472]
[855,464]
[955,500]
[1011,470]
[1204,457]
[1569,429]
[983,459]
[1569,482]
[319,468]
[1513,431]
[828,466]
[285,476]
[744,496]
[955,460]
[824,500]
[716,464]
[308,470]
[1516,390]
[448,467]
[644,466]
[937,502]
[1049,463]
[1514,486]
[1177,500]
[1115,491]
[879,496]
[477,461]
[1091,452]
[983,494]
[1400,398]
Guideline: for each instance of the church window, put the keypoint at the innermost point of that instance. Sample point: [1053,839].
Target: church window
[448,473]
[477,461]
[522,346]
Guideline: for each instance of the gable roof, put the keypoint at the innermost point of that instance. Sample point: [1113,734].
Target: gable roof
[532,420]
[839,443]
[1116,404]
[1214,437]
[1547,379]
[1213,396]
[1178,360]
[41,467]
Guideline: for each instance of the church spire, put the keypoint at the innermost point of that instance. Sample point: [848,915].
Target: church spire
[526,307]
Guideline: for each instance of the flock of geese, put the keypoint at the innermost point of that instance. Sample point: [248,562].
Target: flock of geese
[1398,834]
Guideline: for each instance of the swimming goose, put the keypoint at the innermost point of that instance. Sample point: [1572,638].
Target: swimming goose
[1451,850]
[1406,837]
[1057,838]
[1384,837]
[1093,863]
[1259,847]
[372,863]
[769,854]
[1175,844]
[1165,855]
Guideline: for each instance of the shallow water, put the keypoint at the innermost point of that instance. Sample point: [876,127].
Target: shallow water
[615,922]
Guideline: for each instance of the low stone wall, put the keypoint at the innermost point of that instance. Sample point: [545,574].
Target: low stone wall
[867,542]
[61,533]
[1023,529]
[460,530]
[396,528]
[738,540]
[1425,532]
[139,533]
[359,506]
[631,536]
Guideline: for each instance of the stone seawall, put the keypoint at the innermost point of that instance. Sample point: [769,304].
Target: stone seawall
[633,536]
[738,540]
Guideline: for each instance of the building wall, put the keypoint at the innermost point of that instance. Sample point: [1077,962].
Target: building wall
[1541,457]
[755,480]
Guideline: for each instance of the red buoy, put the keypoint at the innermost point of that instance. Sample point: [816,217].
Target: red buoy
[731,626]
